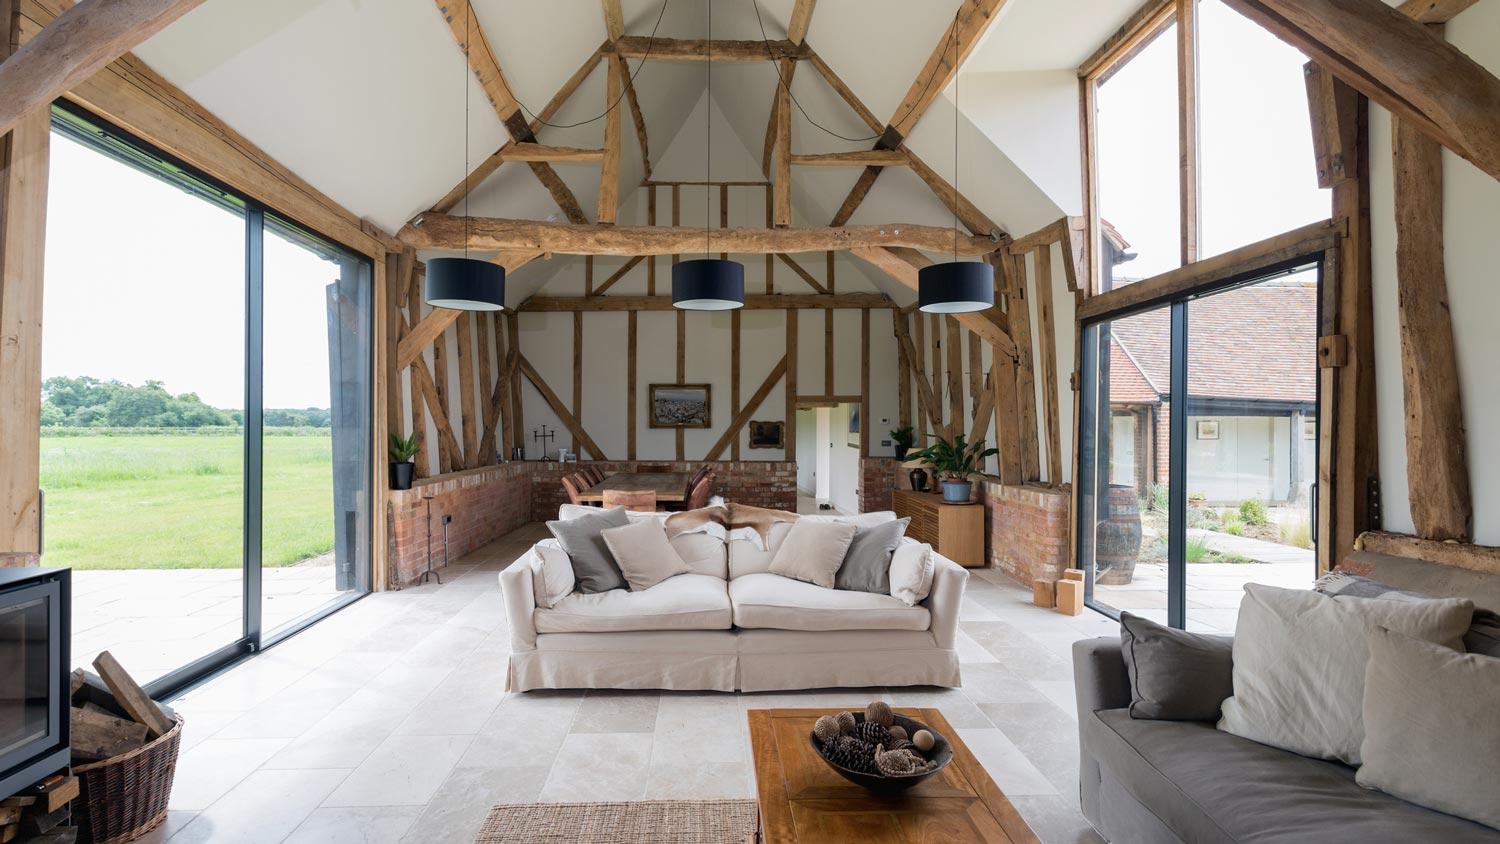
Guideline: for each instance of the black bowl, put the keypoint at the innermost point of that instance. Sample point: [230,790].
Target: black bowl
[941,753]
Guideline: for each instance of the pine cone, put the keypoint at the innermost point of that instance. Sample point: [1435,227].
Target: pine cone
[899,763]
[873,733]
[851,753]
[901,744]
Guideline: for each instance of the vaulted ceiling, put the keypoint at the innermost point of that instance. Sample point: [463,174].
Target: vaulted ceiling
[362,98]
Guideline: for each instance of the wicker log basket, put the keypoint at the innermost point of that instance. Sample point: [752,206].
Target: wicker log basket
[125,797]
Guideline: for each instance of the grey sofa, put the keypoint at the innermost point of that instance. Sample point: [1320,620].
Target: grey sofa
[1144,782]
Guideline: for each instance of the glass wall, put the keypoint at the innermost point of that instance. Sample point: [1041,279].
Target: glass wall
[206,410]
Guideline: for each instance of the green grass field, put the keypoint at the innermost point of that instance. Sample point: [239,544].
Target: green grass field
[175,501]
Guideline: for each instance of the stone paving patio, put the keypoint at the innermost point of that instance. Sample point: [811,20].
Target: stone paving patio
[157,620]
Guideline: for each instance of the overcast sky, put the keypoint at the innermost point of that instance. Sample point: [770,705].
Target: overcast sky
[146,282]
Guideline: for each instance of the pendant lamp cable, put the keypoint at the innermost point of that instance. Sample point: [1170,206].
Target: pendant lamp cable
[708,119]
[954,42]
[468,34]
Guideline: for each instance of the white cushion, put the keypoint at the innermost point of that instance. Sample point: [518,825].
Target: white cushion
[911,572]
[644,555]
[813,551]
[685,602]
[772,601]
[551,572]
[704,554]
[747,557]
[1300,659]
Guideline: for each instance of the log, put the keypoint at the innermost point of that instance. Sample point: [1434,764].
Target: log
[1480,558]
[89,690]
[97,736]
[443,231]
[698,49]
[130,695]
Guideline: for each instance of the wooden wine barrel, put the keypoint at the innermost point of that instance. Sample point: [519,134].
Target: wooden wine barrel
[1118,541]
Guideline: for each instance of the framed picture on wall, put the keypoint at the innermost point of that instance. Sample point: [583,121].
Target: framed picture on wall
[680,406]
[767,434]
[853,440]
[1208,429]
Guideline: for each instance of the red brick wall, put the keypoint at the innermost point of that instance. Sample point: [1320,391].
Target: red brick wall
[877,477]
[760,483]
[1028,532]
[485,503]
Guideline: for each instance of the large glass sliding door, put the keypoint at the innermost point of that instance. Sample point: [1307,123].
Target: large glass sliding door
[1182,503]
[206,415]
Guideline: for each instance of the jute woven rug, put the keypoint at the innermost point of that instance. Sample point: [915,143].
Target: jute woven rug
[656,821]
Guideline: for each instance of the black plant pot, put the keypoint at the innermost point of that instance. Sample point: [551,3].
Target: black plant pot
[402,474]
[901,453]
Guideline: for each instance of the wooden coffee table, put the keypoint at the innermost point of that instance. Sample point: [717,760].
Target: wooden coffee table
[803,801]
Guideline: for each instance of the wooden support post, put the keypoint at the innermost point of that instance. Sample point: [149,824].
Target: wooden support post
[577,373]
[517,406]
[651,259]
[1437,472]
[903,374]
[466,390]
[486,389]
[940,410]
[1007,413]
[828,387]
[609,173]
[630,386]
[1187,134]
[681,368]
[976,371]
[955,380]
[926,423]
[791,387]
[1020,322]
[1047,344]
[424,456]
[723,214]
[867,425]
[734,375]
[24,157]
[770,258]
[782,182]
[449,458]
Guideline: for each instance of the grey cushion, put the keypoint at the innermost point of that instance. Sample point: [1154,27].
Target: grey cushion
[1175,675]
[1432,732]
[867,563]
[1483,636]
[593,566]
[1211,787]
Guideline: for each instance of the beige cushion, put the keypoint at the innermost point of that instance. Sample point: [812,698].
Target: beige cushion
[644,555]
[772,601]
[1432,729]
[551,572]
[702,553]
[685,602]
[813,551]
[1299,664]
[911,572]
[747,557]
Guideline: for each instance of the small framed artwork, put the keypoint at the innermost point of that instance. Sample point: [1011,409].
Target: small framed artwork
[767,434]
[853,440]
[680,406]
[1309,429]
[1208,429]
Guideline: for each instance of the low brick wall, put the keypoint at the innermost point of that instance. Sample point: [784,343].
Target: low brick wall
[760,483]
[877,478]
[1028,532]
[485,503]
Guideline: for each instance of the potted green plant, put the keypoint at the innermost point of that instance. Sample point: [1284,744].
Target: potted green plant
[955,461]
[903,438]
[402,467]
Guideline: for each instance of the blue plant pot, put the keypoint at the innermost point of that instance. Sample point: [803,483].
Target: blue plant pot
[956,492]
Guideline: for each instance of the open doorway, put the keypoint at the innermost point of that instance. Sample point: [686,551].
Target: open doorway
[828,457]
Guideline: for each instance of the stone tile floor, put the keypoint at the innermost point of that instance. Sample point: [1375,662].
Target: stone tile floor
[387,722]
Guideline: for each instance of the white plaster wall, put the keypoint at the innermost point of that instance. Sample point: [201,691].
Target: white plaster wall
[1032,117]
[843,462]
[1471,206]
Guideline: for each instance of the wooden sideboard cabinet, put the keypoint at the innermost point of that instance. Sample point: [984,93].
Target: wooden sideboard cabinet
[954,530]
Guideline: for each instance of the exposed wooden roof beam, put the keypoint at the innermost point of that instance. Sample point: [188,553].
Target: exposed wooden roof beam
[903,265]
[1434,11]
[1396,62]
[490,165]
[79,42]
[796,32]
[470,37]
[442,231]
[698,49]
[614,24]
[542,152]
[775,302]
[859,158]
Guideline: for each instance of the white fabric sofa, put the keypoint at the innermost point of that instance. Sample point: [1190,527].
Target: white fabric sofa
[732,625]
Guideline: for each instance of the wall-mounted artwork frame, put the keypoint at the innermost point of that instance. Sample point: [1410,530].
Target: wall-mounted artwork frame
[681,406]
[1208,429]
[854,426]
[767,434]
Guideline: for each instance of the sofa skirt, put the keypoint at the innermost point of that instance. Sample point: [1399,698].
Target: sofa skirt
[727,661]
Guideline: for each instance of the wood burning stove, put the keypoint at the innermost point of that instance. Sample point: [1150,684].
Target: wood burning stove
[34,679]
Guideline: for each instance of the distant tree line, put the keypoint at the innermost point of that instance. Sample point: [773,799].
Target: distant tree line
[91,403]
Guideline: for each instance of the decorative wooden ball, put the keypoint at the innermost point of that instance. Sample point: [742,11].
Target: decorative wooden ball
[898,732]
[846,723]
[923,740]
[880,712]
[826,728]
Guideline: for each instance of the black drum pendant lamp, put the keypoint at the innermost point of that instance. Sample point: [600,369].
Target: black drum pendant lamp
[955,287]
[708,284]
[465,284]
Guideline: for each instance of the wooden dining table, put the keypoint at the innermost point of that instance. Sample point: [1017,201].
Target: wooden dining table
[668,486]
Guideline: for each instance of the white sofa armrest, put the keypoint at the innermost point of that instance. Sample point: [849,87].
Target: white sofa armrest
[517,586]
[948,580]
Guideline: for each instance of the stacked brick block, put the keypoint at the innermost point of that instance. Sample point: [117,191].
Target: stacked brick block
[877,478]
[485,503]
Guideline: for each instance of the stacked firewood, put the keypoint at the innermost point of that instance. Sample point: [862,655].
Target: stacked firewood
[111,716]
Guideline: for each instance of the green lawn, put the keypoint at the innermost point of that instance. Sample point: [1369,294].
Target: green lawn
[175,501]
